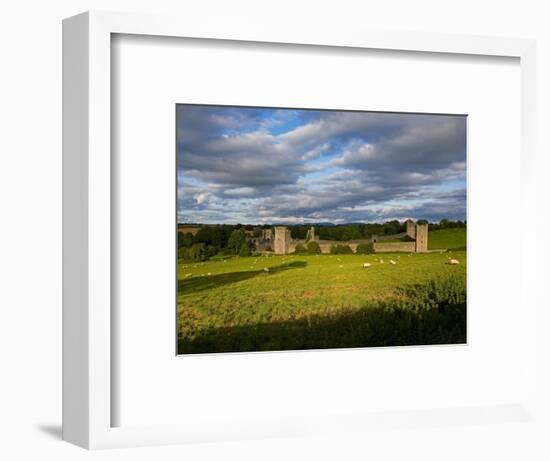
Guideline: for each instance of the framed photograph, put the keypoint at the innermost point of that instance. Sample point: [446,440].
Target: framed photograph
[317,229]
[281,233]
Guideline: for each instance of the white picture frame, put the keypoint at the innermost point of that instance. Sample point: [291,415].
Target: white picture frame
[87,359]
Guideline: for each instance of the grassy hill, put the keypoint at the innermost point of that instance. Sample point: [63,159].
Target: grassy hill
[451,239]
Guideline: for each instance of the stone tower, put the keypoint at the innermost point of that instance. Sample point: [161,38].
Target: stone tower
[282,240]
[421,238]
[411,228]
[311,235]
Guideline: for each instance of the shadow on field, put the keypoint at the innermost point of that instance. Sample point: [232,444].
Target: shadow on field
[367,327]
[196,284]
[425,314]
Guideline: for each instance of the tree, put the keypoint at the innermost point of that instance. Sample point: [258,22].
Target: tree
[244,250]
[313,248]
[195,252]
[185,240]
[365,249]
[300,248]
[236,239]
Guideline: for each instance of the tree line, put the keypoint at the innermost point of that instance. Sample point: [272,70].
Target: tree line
[230,240]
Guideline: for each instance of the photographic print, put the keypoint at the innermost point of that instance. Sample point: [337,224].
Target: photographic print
[314,229]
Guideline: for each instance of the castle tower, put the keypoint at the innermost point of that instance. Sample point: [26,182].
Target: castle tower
[421,238]
[411,228]
[311,234]
[282,240]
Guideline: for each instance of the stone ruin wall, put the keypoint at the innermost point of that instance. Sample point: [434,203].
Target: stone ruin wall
[283,243]
[411,229]
[397,247]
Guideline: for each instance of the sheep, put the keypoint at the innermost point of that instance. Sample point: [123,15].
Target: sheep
[266,269]
[392,261]
[189,275]
[366,265]
[341,266]
[381,261]
[454,261]
[209,273]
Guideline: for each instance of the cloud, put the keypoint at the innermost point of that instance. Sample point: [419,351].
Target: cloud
[264,165]
[201,198]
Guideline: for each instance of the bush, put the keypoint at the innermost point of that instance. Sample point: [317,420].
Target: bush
[341,250]
[365,249]
[300,249]
[313,248]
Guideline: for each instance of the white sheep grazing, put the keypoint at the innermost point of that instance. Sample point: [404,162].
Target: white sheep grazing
[454,261]
[392,261]
[341,266]
[209,273]
[382,261]
[189,275]
[366,265]
[266,269]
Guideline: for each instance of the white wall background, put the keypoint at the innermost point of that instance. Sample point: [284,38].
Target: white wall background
[30,228]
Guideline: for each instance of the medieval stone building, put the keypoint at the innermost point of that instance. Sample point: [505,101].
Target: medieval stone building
[280,241]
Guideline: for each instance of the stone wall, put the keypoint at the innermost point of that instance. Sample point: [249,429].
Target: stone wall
[398,247]
[411,229]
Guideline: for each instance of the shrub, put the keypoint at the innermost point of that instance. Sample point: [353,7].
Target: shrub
[341,249]
[300,248]
[313,248]
[365,249]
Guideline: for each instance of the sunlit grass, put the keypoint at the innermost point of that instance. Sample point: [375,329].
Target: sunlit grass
[216,298]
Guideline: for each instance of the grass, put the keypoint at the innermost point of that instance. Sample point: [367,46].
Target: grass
[320,301]
[452,239]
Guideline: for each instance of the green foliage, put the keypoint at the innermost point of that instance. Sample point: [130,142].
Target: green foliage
[313,248]
[244,250]
[365,249]
[185,240]
[196,252]
[340,249]
[236,240]
[300,249]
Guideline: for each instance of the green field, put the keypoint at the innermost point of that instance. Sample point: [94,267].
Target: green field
[452,239]
[323,301]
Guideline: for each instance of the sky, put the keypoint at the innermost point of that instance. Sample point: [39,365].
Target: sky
[268,166]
